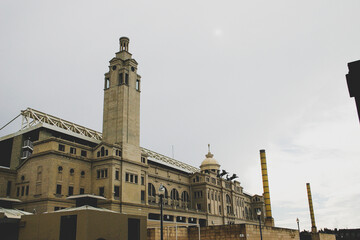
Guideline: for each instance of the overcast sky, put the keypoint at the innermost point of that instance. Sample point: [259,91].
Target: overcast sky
[240,75]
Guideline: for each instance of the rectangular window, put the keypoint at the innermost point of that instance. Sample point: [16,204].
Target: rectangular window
[142,180]
[118,153]
[72,150]
[136,179]
[209,208]
[83,153]
[22,190]
[131,178]
[121,79]
[71,191]
[117,175]
[56,208]
[61,147]
[126,177]
[27,190]
[198,206]
[220,210]
[98,173]
[82,190]
[138,84]
[101,191]
[18,191]
[142,195]
[116,191]
[126,79]
[8,188]
[58,189]
[107,83]
[143,159]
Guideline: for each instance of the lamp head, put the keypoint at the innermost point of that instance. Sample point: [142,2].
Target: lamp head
[258,212]
[161,190]
[297,220]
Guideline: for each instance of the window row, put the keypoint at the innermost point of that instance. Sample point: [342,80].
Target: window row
[22,191]
[72,150]
[70,190]
[102,173]
[198,194]
[60,170]
[103,152]
[123,80]
[214,196]
[174,194]
[132,178]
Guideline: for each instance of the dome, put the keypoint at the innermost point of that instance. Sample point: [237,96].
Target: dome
[210,163]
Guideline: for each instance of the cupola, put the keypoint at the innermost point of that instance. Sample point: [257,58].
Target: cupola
[210,164]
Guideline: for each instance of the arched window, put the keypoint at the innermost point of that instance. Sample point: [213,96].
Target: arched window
[185,196]
[174,194]
[151,193]
[228,204]
[251,216]
[102,151]
[228,199]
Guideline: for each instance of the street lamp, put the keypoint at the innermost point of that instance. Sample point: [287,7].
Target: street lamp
[297,220]
[259,217]
[161,193]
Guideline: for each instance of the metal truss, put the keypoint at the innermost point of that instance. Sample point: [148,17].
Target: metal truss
[31,117]
[169,160]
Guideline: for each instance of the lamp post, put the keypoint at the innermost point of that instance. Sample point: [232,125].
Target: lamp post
[161,194]
[297,220]
[259,217]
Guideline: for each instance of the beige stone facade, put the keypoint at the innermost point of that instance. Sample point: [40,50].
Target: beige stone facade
[50,159]
[230,232]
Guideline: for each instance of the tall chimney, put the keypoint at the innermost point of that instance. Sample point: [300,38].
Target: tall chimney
[313,226]
[269,221]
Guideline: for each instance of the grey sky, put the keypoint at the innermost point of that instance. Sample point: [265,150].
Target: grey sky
[239,75]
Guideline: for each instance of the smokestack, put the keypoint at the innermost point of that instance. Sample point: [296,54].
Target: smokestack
[313,226]
[269,221]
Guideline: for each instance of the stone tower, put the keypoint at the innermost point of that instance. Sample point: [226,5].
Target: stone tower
[121,117]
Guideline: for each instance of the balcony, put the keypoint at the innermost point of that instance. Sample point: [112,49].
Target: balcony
[28,145]
[25,154]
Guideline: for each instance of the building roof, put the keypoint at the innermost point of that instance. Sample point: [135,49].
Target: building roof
[85,207]
[34,119]
[7,199]
[86,196]
[13,213]
[170,162]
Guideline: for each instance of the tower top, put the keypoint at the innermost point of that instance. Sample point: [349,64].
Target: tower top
[124,44]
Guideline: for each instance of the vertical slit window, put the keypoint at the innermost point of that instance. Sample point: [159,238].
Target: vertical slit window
[107,83]
[137,85]
[121,78]
[126,79]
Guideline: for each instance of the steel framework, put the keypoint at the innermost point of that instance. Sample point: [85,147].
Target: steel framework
[31,117]
[169,160]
